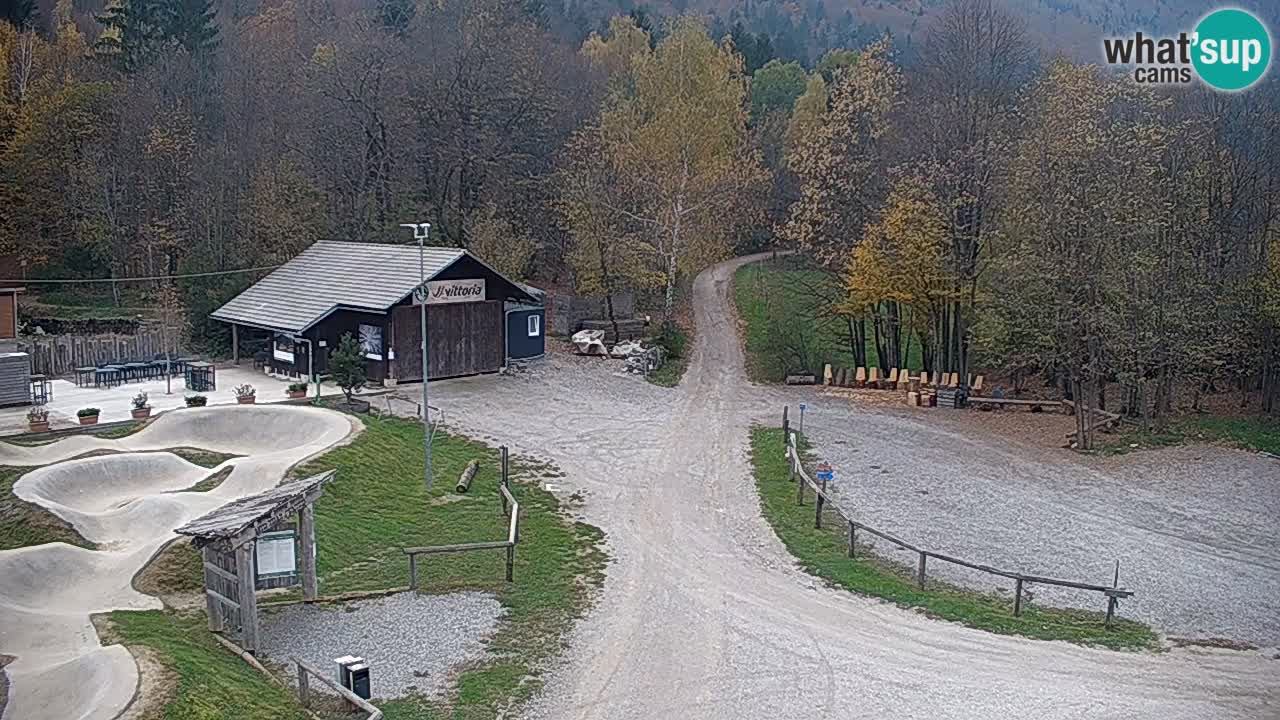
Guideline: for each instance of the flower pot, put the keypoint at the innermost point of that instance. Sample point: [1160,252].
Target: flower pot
[297,394]
[88,419]
[140,413]
[38,426]
[246,399]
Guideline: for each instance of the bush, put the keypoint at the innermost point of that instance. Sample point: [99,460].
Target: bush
[245,391]
[673,340]
[88,412]
[37,415]
[297,387]
[346,366]
[140,401]
[196,401]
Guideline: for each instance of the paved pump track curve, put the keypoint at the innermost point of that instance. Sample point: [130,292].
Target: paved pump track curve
[128,504]
[705,615]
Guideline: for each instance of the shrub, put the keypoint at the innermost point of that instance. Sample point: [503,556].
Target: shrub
[196,401]
[140,401]
[297,387]
[245,390]
[37,415]
[346,366]
[673,340]
[88,412]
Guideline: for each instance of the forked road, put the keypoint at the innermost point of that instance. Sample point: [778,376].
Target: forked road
[704,615]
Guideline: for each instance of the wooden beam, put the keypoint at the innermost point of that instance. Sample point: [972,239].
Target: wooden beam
[235,343]
[307,564]
[462,547]
[210,567]
[211,603]
[219,597]
[248,600]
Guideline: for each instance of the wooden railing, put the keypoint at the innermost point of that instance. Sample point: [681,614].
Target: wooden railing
[306,672]
[510,508]
[1113,592]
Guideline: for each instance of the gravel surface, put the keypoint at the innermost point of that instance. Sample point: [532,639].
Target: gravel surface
[705,615]
[410,641]
[1192,527]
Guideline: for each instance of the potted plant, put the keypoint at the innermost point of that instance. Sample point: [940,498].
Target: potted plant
[245,394]
[88,416]
[141,410]
[297,390]
[196,400]
[38,419]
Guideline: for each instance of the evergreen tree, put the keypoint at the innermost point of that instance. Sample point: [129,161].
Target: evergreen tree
[20,13]
[136,31]
[190,24]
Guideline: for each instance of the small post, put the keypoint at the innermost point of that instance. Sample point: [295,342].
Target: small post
[304,689]
[786,423]
[235,343]
[413,572]
[853,538]
[504,480]
[801,418]
[247,598]
[1111,611]
[1017,597]
[920,570]
[511,561]
[822,500]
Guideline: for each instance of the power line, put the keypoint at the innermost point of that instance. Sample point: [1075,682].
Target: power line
[30,281]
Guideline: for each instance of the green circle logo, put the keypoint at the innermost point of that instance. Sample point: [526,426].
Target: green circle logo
[1230,49]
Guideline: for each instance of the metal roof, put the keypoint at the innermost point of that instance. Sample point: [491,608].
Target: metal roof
[330,275]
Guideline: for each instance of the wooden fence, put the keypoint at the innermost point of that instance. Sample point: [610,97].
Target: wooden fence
[510,508]
[306,672]
[1112,592]
[58,355]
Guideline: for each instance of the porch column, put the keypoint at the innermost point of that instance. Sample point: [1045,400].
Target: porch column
[235,343]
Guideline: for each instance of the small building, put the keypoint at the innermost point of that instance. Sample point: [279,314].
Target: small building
[527,327]
[9,314]
[304,307]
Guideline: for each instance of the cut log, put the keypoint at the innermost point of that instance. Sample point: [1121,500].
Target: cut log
[464,482]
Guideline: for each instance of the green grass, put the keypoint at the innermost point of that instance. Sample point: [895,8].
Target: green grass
[203,458]
[212,684]
[774,298]
[1250,433]
[677,362]
[824,553]
[23,524]
[378,504]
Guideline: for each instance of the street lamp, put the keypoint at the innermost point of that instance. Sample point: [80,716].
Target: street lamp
[421,231]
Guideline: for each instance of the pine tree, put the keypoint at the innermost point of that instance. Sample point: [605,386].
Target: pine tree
[20,13]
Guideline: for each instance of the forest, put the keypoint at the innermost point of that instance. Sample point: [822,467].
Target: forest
[971,191]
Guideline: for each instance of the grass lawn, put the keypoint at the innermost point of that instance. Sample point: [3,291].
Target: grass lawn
[1249,433]
[773,294]
[379,504]
[212,684]
[824,553]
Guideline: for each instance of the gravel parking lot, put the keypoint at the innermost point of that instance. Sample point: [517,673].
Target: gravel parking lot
[410,641]
[1192,527]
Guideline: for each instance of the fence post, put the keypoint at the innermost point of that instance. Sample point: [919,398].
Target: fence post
[413,572]
[786,424]
[511,561]
[822,499]
[504,480]
[853,538]
[304,689]
[1111,611]
[920,570]
[1017,597]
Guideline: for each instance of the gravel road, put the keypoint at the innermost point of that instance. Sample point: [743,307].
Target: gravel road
[409,640]
[704,615]
[1192,527]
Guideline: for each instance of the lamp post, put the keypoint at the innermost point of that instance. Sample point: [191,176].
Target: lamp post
[421,231]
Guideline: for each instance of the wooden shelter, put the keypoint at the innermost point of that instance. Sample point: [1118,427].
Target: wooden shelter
[228,539]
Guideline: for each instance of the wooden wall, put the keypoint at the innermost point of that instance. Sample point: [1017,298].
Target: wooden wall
[57,355]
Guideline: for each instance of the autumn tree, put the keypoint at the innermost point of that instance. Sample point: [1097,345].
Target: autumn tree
[680,163]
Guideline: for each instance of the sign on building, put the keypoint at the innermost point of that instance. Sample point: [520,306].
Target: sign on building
[440,292]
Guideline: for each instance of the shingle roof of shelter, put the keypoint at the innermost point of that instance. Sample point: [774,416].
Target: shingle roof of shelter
[237,516]
[333,274]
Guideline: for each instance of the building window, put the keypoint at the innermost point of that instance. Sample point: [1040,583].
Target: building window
[535,325]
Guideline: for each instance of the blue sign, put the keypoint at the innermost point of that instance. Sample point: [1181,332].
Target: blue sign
[826,475]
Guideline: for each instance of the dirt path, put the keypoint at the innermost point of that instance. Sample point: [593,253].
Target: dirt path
[704,614]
